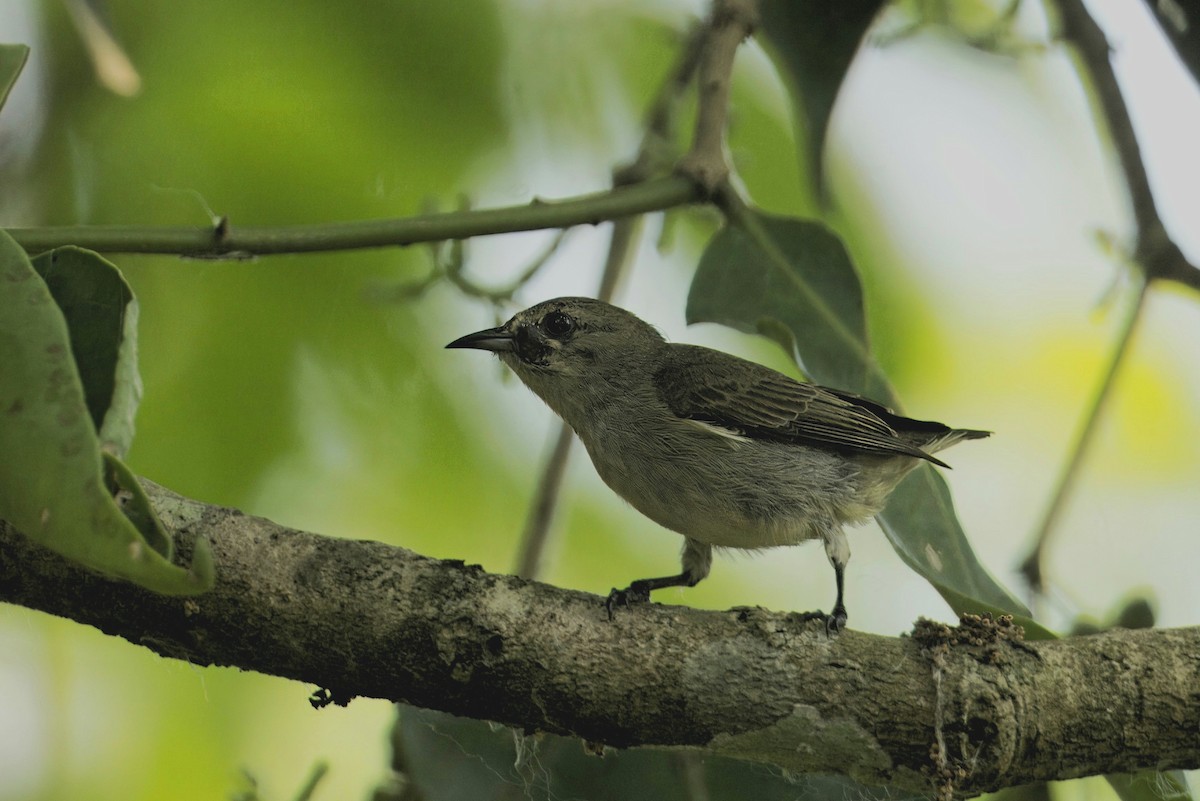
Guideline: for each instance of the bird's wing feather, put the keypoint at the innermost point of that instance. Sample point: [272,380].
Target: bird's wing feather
[758,402]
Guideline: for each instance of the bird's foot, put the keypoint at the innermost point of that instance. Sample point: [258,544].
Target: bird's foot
[635,593]
[834,622]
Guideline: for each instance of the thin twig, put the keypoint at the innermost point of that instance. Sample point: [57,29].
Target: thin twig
[660,122]
[731,22]
[1031,568]
[1155,252]
[543,506]
[621,250]
[314,778]
[501,295]
[232,241]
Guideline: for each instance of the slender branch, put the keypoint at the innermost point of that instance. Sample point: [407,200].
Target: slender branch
[731,22]
[1031,567]
[1157,254]
[1080,29]
[231,241]
[314,778]
[543,506]
[660,122]
[746,683]
[622,247]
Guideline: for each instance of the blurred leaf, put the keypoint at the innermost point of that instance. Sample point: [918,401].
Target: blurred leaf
[814,42]
[54,491]
[114,70]
[1035,791]
[101,317]
[318,105]
[451,758]
[12,59]
[1137,614]
[792,280]
[1180,21]
[1150,785]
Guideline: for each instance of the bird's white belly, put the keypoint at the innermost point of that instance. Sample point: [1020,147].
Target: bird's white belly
[744,496]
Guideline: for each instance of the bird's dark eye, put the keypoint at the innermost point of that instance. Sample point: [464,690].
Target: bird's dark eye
[557,324]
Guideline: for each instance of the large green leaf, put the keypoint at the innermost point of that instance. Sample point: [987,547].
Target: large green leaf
[101,317]
[55,486]
[12,59]
[814,43]
[921,524]
[793,280]
[450,758]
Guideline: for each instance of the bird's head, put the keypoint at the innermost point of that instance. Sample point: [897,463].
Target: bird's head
[570,346]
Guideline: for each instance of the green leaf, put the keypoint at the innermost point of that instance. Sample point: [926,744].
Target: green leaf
[964,604]
[921,524]
[123,486]
[814,42]
[55,486]
[792,280]
[12,60]
[101,317]
[450,758]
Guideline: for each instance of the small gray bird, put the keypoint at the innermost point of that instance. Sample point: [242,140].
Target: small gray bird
[725,451]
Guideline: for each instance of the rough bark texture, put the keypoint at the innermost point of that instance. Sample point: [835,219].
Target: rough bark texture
[967,709]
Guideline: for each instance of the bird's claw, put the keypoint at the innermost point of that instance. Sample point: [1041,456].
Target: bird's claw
[836,621]
[633,594]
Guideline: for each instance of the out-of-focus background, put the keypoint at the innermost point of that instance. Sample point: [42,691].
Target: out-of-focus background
[984,210]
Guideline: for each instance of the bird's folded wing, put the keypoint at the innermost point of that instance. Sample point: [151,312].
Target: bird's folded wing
[761,403]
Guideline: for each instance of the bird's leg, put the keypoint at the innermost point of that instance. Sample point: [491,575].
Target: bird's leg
[837,619]
[838,551]
[697,560]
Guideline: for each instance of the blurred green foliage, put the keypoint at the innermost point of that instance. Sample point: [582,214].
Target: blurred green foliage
[266,112]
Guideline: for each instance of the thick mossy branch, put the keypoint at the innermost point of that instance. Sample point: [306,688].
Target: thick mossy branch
[367,619]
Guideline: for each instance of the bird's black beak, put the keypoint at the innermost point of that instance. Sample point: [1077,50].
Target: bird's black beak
[493,339]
